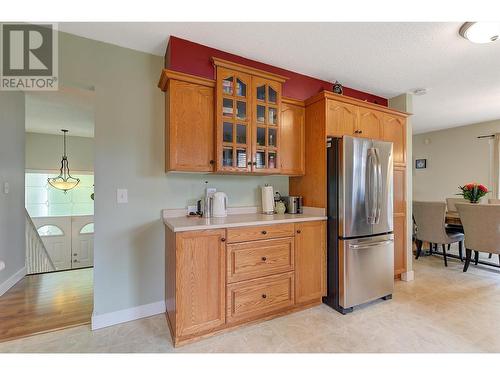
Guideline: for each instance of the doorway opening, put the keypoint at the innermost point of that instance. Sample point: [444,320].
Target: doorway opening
[57,291]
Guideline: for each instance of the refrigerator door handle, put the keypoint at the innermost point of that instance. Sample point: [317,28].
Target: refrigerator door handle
[372,244]
[378,167]
[371,200]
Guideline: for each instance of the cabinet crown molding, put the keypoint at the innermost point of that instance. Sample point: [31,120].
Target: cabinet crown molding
[248,70]
[357,102]
[167,74]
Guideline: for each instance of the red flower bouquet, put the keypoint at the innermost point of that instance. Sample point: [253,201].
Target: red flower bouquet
[473,192]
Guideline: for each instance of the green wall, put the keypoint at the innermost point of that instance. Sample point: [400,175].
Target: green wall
[129,153]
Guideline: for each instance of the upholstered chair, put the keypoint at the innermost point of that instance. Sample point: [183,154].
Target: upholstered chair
[430,220]
[481,224]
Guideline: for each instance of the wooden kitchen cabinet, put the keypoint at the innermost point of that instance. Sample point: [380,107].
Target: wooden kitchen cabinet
[310,260]
[248,121]
[341,118]
[218,279]
[292,143]
[200,281]
[189,122]
[369,123]
[329,114]
[399,210]
[394,130]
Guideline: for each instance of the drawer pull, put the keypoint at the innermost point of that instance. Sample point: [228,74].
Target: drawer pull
[264,296]
[298,231]
[264,259]
[223,240]
[264,232]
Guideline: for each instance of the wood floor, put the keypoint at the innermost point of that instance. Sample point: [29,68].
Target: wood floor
[46,302]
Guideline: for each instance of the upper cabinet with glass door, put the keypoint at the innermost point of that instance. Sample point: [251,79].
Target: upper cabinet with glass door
[247,119]
[266,125]
[233,144]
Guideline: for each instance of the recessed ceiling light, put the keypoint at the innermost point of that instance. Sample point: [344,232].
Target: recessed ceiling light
[419,91]
[480,32]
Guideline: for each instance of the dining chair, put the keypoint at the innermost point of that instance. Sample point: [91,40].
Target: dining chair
[482,229]
[451,202]
[430,220]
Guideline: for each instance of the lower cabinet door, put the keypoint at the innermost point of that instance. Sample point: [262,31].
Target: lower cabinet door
[310,260]
[257,297]
[201,269]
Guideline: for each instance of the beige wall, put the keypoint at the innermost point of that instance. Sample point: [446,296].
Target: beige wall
[12,217]
[454,157]
[129,153]
[44,151]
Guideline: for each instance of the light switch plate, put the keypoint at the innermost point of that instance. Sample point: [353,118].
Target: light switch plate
[121,195]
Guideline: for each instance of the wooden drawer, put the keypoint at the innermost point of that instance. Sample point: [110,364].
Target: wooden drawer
[259,232]
[248,260]
[253,298]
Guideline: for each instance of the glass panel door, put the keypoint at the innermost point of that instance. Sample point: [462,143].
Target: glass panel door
[233,121]
[266,126]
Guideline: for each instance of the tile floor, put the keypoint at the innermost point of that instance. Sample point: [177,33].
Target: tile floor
[443,310]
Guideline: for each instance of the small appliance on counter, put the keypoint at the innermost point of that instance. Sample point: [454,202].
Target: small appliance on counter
[219,204]
[293,204]
[205,205]
[267,200]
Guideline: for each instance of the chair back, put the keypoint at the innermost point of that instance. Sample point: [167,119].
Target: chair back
[430,220]
[481,224]
[493,201]
[450,203]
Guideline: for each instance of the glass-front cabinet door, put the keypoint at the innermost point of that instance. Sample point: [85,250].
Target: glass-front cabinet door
[233,114]
[266,125]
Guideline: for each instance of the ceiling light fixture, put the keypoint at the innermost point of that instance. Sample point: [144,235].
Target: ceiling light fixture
[480,32]
[64,181]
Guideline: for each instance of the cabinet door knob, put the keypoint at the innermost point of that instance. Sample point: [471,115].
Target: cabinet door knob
[264,232]
[212,162]
[75,254]
[264,259]
[298,231]
[249,163]
[264,296]
[254,163]
[223,239]
[360,131]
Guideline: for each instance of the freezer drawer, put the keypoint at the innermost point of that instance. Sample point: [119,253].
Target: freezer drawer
[366,268]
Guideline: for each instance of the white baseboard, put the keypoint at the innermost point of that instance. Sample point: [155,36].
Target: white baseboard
[13,280]
[408,276]
[126,315]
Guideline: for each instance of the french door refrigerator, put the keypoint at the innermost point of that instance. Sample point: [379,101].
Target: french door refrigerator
[360,260]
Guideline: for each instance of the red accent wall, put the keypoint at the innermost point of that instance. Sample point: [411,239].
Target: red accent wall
[193,58]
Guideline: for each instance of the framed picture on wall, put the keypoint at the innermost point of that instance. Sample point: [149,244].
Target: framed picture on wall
[421,163]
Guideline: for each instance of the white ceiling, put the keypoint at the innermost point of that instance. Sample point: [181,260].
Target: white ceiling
[385,59]
[71,108]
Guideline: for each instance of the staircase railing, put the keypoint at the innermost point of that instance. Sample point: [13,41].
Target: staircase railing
[37,258]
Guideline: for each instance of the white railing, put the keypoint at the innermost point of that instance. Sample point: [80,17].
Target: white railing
[37,257]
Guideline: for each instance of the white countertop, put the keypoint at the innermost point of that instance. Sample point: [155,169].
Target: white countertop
[184,223]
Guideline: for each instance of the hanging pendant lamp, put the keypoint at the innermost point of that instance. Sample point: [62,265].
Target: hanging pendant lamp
[64,181]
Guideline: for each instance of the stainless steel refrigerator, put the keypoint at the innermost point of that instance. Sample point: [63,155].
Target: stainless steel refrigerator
[360,259]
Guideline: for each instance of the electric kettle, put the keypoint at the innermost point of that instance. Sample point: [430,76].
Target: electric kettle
[219,204]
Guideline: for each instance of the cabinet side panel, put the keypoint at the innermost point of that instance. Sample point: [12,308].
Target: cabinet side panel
[312,186]
[170,284]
